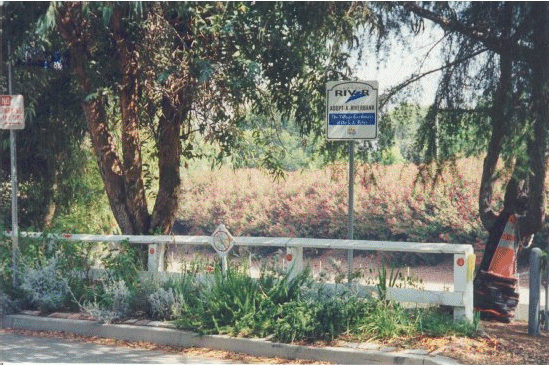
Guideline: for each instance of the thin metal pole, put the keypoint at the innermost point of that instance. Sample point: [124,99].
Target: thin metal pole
[535,284]
[13,160]
[351,208]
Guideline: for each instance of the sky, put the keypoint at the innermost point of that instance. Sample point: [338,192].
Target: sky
[402,62]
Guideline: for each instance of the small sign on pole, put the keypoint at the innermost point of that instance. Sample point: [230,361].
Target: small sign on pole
[12,112]
[222,241]
[351,110]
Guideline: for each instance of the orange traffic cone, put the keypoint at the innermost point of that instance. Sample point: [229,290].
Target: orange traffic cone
[495,290]
[503,262]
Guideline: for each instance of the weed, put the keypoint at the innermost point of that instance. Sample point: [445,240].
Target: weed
[311,204]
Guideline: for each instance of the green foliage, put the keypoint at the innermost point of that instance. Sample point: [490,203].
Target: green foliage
[201,68]
[50,158]
[235,303]
[273,305]
[70,255]
[84,207]
[5,262]
[123,263]
[274,146]
[321,317]
[45,286]
[385,282]
[438,322]
[111,300]
[446,135]
[386,319]
[297,310]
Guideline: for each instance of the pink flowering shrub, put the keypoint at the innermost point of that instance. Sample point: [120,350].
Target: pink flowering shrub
[390,203]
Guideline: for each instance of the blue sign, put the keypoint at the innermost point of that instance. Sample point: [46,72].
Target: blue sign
[352,119]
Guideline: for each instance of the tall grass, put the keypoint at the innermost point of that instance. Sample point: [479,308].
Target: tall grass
[299,310]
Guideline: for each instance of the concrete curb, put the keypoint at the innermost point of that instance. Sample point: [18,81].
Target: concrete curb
[159,333]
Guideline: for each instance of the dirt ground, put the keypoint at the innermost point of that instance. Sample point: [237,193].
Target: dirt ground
[499,344]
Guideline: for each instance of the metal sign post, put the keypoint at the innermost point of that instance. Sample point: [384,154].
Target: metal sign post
[351,114]
[12,117]
[351,209]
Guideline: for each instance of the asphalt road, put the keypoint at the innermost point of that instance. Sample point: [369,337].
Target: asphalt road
[29,349]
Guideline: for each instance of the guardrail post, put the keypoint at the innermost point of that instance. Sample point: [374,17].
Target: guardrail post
[535,283]
[464,268]
[294,255]
[546,324]
[152,263]
[1,309]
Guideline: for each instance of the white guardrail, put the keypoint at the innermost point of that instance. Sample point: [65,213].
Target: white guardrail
[461,298]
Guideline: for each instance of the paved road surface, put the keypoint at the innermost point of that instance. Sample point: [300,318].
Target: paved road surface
[18,348]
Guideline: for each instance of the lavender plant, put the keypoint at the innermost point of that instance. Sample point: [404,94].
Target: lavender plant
[45,287]
[166,304]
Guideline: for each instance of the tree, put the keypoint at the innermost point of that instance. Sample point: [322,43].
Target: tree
[497,53]
[50,158]
[170,70]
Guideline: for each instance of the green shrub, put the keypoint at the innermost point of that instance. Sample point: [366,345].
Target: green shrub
[124,263]
[111,300]
[438,322]
[230,303]
[45,287]
[5,263]
[165,304]
[296,322]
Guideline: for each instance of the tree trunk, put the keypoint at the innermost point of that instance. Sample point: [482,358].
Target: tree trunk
[110,167]
[123,181]
[537,146]
[129,108]
[499,118]
[169,148]
[174,112]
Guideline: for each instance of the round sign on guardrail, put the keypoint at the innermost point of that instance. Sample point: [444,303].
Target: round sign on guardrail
[221,240]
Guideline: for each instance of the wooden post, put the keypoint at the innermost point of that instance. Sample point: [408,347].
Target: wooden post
[152,263]
[464,269]
[294,256]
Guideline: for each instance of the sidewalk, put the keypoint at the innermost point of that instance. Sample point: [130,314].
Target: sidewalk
[163,334]
[29,349]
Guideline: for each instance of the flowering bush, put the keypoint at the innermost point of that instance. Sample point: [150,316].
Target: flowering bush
[391,203]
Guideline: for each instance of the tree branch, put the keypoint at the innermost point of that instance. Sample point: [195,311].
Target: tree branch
[500,115]
[386,97]
[496,44]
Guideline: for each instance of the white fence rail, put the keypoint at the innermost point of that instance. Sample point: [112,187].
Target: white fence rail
[461,298]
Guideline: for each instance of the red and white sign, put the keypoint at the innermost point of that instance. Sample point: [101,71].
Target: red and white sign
[12,112]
